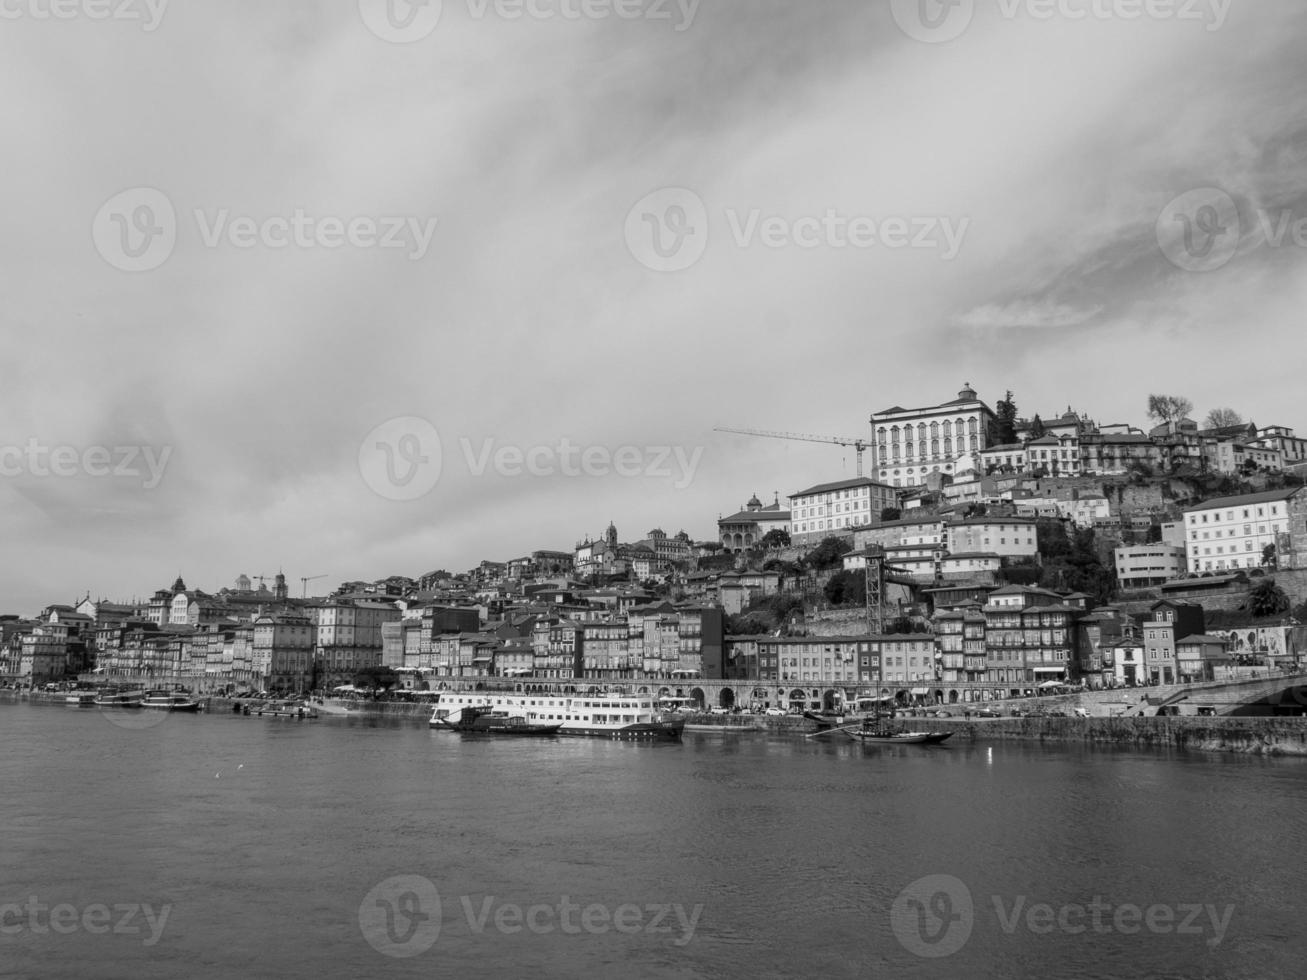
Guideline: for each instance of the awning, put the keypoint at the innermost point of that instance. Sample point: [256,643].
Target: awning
[1049,670]
[921,690]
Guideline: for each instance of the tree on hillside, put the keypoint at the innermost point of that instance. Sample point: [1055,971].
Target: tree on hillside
[1268,599]
[1168,408]
[1005,421]
[777,537]
[1037,430]
[1220,418]
[890,513]
[828,554]
[847,589]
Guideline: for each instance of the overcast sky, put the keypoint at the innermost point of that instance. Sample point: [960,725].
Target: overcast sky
[220,262]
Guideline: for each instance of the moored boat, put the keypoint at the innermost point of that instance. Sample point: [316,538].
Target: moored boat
[609,715]
[119,699]
[881,735]
[934,738]
[80,699]
[284,709]
[165,701]
[487,721]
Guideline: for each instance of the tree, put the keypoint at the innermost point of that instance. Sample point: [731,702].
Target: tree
[777,537]
[1269,559]
[828,554]
[1220,418]
[1037,430]
[377,678]
[890,513]
[1168,408]
[848,588]
[1268,599]
[1005,424]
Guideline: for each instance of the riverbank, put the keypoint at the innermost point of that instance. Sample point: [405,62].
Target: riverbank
[1242,735]
[1251,736]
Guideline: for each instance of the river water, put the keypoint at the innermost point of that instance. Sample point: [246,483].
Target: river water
[223,846]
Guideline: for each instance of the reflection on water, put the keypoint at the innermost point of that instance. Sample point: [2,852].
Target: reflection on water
[724,856]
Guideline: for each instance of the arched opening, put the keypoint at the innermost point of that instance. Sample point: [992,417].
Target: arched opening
[830,701]
[952,697]
[797,699]
[726,698]
[698,697]
[939,697]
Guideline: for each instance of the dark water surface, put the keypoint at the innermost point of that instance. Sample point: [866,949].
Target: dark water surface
[271,848]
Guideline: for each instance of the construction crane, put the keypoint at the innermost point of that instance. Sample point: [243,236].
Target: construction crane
[859,445]
[304,584]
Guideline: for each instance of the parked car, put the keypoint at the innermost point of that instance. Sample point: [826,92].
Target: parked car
[983,713]
[776,712]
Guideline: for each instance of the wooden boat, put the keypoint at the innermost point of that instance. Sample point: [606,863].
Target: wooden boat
[934,738]
[484,720]
[80,699]
[882,735]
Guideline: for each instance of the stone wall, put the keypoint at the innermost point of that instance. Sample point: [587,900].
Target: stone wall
[1267,736]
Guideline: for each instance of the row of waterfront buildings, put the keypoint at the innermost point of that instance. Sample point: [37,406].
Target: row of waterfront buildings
[975,641]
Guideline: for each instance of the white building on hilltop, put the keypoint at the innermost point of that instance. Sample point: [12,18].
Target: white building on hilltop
[911,443]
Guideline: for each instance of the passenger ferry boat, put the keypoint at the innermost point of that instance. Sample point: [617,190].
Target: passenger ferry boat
[597,715]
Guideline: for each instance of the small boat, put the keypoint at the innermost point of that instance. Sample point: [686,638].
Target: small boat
[487,721]
[80,699]
[825,722]
[164,701]
[934,738]
[285,709]
[881,735]
[119,699]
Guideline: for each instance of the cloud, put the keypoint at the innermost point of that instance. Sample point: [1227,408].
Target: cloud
[1027,313]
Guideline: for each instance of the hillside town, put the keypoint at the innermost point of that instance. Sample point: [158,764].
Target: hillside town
[987,556]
